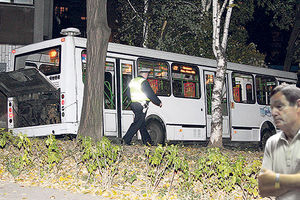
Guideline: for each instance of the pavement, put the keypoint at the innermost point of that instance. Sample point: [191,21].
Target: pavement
[14,191]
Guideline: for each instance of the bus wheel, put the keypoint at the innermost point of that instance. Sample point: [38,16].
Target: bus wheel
[156,132]
[265,136]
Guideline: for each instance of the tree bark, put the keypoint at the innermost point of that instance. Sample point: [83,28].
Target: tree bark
[217,117]
[219,49]
[98,33]
[145,24]
[295,35]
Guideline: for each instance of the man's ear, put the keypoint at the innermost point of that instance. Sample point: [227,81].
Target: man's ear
[298,103]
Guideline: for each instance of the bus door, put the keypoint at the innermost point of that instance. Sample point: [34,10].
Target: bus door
[126,68]
[209,81]
[117,113]
[244,128]
[110,114]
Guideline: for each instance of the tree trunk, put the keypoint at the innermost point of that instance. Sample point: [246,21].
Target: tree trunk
[145,24]
[295,35]
[219,49]
[98,32]
[217,117]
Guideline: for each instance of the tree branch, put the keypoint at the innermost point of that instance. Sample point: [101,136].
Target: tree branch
[216,27]
[134,9]
[223,8]
[226,26]
[145,24]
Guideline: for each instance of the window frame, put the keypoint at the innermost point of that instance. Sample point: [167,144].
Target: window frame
[253,86]
[199,79]
[168,71]
[256,91]
[39,50]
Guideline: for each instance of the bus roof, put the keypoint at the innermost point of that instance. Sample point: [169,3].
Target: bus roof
[167,56]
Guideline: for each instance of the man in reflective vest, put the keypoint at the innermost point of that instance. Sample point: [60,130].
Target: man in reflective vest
[141,94]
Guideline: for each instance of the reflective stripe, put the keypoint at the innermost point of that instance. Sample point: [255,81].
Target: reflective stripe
[137,95]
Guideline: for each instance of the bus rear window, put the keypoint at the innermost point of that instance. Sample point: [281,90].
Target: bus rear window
[46,60]
[158,77]
[185,81]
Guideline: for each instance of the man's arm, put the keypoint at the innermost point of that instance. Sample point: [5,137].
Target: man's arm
[266,183]
[266,178]
[146,88]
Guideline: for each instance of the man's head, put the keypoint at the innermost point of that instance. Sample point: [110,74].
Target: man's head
[144,72]
[285,106]
[291,93]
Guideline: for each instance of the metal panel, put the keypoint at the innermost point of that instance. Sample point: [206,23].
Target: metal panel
[2,67]
[24,81]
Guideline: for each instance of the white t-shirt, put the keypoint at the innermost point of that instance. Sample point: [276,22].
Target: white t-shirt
[283,157]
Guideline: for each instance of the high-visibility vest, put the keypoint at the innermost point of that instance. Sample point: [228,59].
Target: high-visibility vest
[137,95]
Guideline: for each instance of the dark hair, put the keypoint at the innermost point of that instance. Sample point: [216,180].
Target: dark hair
[291,92]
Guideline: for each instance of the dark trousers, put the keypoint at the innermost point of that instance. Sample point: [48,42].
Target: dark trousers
[139,123]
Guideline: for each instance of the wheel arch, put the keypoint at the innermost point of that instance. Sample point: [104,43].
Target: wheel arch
[266,131]
[154,117]
[267,125]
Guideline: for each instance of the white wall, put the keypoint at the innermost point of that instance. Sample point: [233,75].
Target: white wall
[5,57]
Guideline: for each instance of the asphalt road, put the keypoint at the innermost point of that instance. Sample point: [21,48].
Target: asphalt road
[14,191]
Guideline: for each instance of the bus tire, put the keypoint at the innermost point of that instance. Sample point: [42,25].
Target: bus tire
[156,132]
[266,133]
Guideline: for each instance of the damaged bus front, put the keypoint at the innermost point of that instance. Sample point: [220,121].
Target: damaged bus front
[43,87]
[32,100]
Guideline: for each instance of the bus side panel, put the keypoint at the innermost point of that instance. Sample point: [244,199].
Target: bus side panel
[241,111]
[44,130]
[80,65]
[183,111]
[68,82]
[245,135]
[180,133]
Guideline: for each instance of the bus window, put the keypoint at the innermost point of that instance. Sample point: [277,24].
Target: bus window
[109,86]
[46,60]
[126,77]
[242,88]
[83,63]
[237,90]
[249,93]
[48,69]
[185,81]
[209,86]
[29,64]
[264,86]
[158,77]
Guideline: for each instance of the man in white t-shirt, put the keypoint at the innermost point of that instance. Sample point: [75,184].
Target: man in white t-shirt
[280,173]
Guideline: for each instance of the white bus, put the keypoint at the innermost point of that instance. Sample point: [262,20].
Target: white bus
[45,90]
